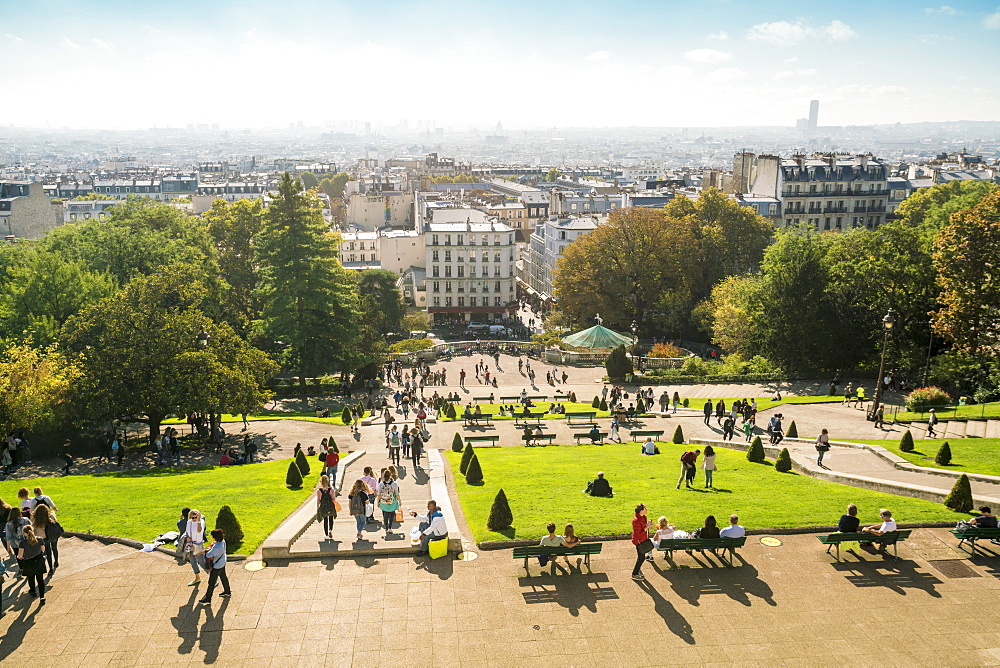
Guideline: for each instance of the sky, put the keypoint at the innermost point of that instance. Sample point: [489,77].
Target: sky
[123,64]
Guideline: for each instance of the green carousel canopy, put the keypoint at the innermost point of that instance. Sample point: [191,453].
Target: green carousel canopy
[597,337]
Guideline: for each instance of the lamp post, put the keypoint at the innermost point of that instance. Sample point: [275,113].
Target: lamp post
[887,323]
[927,365]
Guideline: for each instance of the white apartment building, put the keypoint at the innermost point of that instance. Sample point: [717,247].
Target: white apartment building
[546,246]
[393,250]
[360,250]
[374,210]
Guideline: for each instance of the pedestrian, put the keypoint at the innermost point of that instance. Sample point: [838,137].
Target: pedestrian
[194,546]
[357,504]
[614,435]
[371,483]
[708,411]
[215,562]
[332,461]
[708,464]
[728,426]
[116,449]
[822,446]
[879,418]
[676,400]
[461,378]
[31,563]
[13,532]
[326,505]
[388,500]
[932,420]
[720,411]
[689,460]
[48,530]
[640,538]
[416,446]
[393,441]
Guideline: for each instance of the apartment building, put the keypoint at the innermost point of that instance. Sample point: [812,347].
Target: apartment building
[546,246]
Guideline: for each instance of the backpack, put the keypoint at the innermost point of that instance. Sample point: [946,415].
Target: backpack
[357,505]
[684,457]
[386,494]
[326,501]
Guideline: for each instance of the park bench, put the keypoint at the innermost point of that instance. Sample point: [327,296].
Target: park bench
[631,416]
[494,439]
[510,400]
[586,435]
[971,534]
[668,547]
[587,417]
[891,538]
[520,419]
[655,434]
[488,399]
[583,549]
[532,438]
[538,397]
[478,419]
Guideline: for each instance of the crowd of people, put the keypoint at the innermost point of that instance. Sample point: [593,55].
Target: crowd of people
[31,537]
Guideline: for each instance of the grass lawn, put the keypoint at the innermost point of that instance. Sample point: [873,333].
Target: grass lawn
[304,416]
[976,411]
[968,455]
[544,485]
[143,504]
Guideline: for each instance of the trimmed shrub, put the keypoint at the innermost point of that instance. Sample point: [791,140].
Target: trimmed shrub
[226,520]
[661,350]
[783,464]
[923,398]
[361,408]
[294,476]
[346,417]
[501,517]
[450,411]
[456,443]
[330,443]
[572,397]
[604,405]
[686,403]
[906,443]
[474,474]
[302,462]
[618,364]
[792,431]
[596,403]
[959,498]
[943,456]
[467,456]
[756,452]
[678,435]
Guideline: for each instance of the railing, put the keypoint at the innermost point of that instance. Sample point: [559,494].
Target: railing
[945,412]
[468,348]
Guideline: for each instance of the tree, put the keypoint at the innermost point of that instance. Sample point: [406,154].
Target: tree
[783,464]
[456,443]
[931,208]
[756,452]
[334,185]
[906,442]
[293,478]
[310,309]
[450,411]
[474,474]
[35,388]
[467,456]
[596,403]
[678,435]
[309,180]
[943,456]
[416,322]
[226,520]
[552,175]
[618,364]
[793,431]
[381,311]
[302,462]
[346,416]
[331,444]
[141,360]
[235,229]
[604,404]
[959,498]
[501,518]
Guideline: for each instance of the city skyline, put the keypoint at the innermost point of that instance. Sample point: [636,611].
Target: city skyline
[120,65]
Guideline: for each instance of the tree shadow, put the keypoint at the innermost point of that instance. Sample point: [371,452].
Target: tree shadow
[19,628]
[740,583]
[896,575]
[674,620]
[582,590]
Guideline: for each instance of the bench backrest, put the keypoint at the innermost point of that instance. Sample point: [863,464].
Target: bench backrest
[586,415]
[532,550]
[587,434]
[646,433]
[701,543]
[977,532]
[482,438]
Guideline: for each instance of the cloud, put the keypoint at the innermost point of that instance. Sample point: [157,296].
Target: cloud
[707,56]
[992,21]
[597,56]
[722,35]
[793,59]
[12,37]
[788,33]
[101,43]
[788,74]
[943,9]
[70,43]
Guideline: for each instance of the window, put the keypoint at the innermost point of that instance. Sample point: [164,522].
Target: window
[461,301]
[472,301]
[447,240]
[496,270]
[496,256]
[447,271]
[486,271]
[772,209]
[461,239]
[447,286]
[496,240]
[447,256]
[496,286]
[351,258]
[562,235]
[351,247]
[447,301]
[435,271]
[461,271]
[436,287]
[434,240]
[437,301]
[434,256]
[496,301]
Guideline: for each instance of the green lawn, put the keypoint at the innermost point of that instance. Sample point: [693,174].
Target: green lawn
[143,504]
[304,416]
[544,485]
[976,411]
[968,455]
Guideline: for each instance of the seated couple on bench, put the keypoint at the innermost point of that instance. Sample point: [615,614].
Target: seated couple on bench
[599,486]
[569,539]
[850,523]
[667,531]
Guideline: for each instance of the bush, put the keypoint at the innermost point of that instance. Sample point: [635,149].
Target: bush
[923,398]
[756,452]
[572,397]
[678,435]
[596,403]
[456,443]
[604,405]
[640,405]
[906,443]
[410,345]
[361,408]
[302,462]
[695,366]
[467,456]
[330,443]
[959,498]
[686,403]
[783,464]
[501,517]
[474,474]
[792,431]
[346,417]
[618,364]
[943,456]
[450,411]
[294,476]
[226,520]
[663,350]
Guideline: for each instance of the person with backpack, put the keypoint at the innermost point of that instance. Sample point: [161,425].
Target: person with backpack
[31,562]
[388,500]
[326,505]
[416,446]
[357,503]
[332,461]
[49,531]
[689,461]
[932,420]
[393,442]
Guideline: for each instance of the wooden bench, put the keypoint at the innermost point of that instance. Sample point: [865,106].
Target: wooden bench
[483,439]
[627,416]
[583,549]
[483,418]
[588,418]
[486,399]
[891,538]
[668,547]
[586,435]
[520,420]
[656,435]
[530,440]
[971,534]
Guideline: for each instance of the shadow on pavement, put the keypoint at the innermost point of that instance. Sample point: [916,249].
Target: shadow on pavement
[740,583]
[897,575]
[17,593]
[674,620]
[443,568]
[583,590]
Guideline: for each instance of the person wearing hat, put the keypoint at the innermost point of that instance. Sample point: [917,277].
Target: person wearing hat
[932,420]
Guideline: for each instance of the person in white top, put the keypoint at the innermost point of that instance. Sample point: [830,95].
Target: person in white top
[888,524]
[195,546]
[667,531]
[822,446]
[649,448]
[432,525]
[734,530]
[708,463]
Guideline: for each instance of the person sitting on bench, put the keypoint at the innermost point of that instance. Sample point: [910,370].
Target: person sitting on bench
[552,539]
[467,413]
[888,525]
[525,412]
[595,434]
[479,410]
[599,486]
[986,520]
[649,447]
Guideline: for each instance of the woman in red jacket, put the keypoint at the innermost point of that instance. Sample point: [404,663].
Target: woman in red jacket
[640,538]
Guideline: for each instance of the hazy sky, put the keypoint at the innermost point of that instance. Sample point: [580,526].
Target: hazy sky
[140,63]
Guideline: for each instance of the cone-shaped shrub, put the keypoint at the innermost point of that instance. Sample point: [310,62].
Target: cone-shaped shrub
[604,405]
[784,462]
[226,520]
[456,443]
[906,443]
[572,397]
[450,411]
[678,435]
[330,443]
[294,476]
[467,456]
[596,403]
[500,516]
[943,456]
[686,403]
[640,405]
[618,364]
[474,474]
[302,462]
[959,498]
[361,408]
[793,431]
[346,416]
[756,451]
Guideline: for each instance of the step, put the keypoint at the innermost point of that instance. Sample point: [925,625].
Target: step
[975,429]
[993,429]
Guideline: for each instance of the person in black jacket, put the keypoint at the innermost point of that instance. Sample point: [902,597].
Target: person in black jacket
[599,486]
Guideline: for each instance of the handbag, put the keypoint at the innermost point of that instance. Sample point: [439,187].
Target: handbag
[645,547]
[336,505]
[399,514]
[54,530]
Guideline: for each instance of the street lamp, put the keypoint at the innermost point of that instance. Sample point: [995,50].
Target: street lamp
[887,323]
[203,338]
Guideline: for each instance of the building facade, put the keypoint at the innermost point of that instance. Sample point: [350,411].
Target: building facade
[26,212]
[546,246]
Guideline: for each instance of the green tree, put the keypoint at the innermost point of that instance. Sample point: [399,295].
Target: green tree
[552,175]
[596,403]
[756,452]
[467,456]
[474,474]
[959,498]
[293,478]
[334,185]
[729,314]
[906,442]
[309,180]
[235,228]
[943,456]
[678,435]
[310,308]
[783,464]
[35,388]
[931,208]
[231,527]
[456,443]
[302,462]
[416,322]
[501,518]
[793,431]
[618,364]
[345,415]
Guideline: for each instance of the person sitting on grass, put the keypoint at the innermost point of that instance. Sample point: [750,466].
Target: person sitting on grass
[550,540]
[649,447]
[599,486]
[595,434]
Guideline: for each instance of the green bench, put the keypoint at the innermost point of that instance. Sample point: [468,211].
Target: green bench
[631,416]
[588,418]
[482,439]
[891,538]
[636,436]
[583,549]
[586,435]
[483,418]
[971,534]
[530,440]
[520,420]
[668,547]
[488,399]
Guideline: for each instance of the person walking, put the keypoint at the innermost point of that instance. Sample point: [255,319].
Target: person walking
[932,420]
[708,464]
[357,504]
[48,530]
[215,560]
[416,446]
[822,446]
[326,505]
[31,563]
[14,533]
[394,442]
[66,457]
[614,435]
[195,544]
[640,538]
[689,460]
[728,427]
[720,411]
[708,412]
[676,400]
[332,460]
[388,500]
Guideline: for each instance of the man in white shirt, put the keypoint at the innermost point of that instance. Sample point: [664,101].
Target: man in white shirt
[649,447]
[888,524]
[432,525]
[734,530]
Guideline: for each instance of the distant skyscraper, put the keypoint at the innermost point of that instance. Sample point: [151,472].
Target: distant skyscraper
[813,115]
